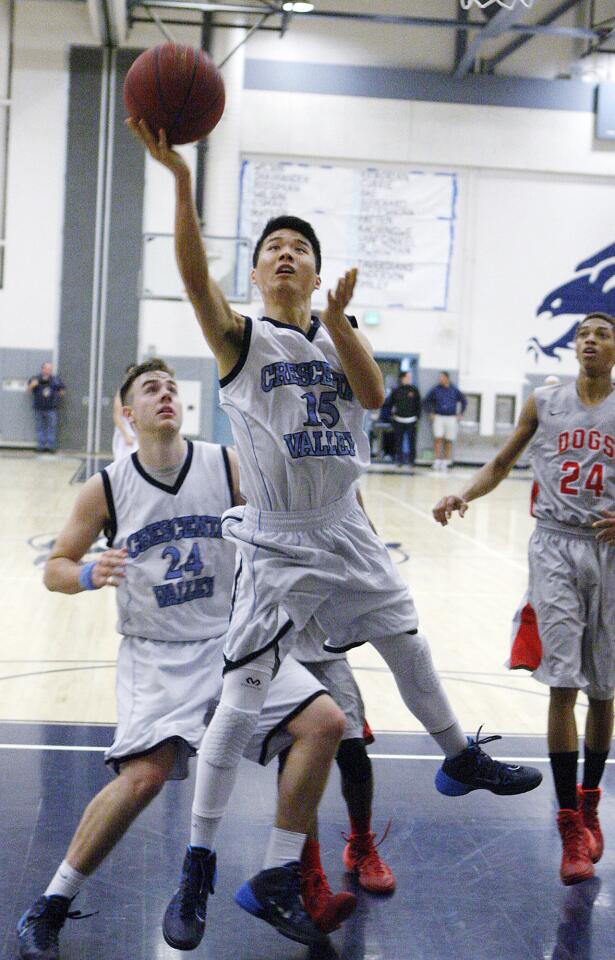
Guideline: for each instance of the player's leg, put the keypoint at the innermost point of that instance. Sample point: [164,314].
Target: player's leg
[104,822]
[274,893]
[326,908]
[361,855]
[226,738]
[598,737]
[601,675]
[466,766]
[576,864]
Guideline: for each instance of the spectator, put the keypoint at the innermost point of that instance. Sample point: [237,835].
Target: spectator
[405,413]
[446,404]
[47,390]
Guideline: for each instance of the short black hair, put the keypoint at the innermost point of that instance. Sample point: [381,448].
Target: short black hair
[147,366]
[286,222]
[445,373]
[599,315]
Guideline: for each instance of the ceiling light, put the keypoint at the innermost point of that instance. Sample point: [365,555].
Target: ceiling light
[297,7]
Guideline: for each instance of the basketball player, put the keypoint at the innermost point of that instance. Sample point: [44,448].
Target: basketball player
[296,389]
[571,571]
[161,512]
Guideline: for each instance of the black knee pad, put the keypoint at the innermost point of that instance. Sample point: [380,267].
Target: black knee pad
[353,761]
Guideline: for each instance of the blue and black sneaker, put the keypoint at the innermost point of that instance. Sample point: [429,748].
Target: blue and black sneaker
[38,929]
[274,896]
[183,925]
[473,769]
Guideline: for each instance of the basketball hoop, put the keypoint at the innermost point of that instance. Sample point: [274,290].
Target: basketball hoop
[507,4]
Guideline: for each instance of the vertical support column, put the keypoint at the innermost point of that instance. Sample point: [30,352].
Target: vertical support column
[221,195]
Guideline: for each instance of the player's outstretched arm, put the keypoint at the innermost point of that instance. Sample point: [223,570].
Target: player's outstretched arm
[353,349]
[489,476]
[88,517]
[221,326]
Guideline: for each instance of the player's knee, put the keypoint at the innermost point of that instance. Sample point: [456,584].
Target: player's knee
[227,736]
[145,781]
[353,761]
[322,720]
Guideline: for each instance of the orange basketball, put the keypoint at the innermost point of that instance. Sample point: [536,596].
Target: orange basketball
[177,89]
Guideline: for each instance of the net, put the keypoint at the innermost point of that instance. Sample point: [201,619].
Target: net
[507,4]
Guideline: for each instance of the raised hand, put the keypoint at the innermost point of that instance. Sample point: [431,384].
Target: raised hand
[109,568]
[444,509]
[605,528]
[159,148]
[337,302]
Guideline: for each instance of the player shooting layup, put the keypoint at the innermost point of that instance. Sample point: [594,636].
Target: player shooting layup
[571,572]
[295,390]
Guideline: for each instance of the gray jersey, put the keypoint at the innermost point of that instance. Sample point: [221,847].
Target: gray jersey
[572,456]
[297,426]
[179,572]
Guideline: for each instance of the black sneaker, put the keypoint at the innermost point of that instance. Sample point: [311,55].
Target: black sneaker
[275,896]
[183,925]
[472,769]
[38,929]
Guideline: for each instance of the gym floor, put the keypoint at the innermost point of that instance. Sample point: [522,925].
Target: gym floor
[477,876]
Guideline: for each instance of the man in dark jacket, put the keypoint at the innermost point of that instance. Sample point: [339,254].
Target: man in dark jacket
[405,413]
[47,390]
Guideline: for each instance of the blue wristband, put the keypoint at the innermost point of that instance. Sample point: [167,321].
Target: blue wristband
[85,576]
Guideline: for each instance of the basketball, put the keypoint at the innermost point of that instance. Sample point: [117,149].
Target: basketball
[175,88]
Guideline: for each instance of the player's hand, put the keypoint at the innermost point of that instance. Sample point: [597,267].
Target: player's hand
[444,509]
[109,568]
[337,301]
[158,148]
[605,528]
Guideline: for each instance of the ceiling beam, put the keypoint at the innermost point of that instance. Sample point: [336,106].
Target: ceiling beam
[108,20]
[497,25]
[490,64]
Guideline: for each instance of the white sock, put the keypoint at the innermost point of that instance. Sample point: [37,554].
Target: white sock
[452,740]
[284,846]
[66,882]
[203,830]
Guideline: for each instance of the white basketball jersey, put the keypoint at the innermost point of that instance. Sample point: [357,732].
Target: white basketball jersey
[179,573]
[297,426]
[573,457]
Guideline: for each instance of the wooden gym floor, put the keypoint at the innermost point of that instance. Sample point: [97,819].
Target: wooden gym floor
[477,876]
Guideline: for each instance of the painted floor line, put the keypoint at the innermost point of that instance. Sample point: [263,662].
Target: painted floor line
[456,533]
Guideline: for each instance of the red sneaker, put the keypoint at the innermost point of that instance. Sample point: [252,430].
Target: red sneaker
[327,909]
[588,801]
[576,863]
[361,857]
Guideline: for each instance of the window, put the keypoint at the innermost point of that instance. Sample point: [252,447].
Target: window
[470,421]
[504,412]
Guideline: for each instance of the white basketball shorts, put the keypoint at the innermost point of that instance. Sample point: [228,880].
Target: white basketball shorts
[325,563]
[167,691]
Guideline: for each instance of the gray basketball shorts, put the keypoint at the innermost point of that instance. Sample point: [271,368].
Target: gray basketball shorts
[571,589]
[168,691]
[325,563]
